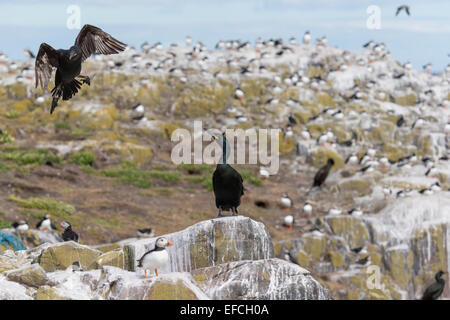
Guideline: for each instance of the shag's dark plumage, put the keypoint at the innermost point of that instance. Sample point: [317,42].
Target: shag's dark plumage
[90,40]
[435,290]
[227,185]
[322,174]
[69,234]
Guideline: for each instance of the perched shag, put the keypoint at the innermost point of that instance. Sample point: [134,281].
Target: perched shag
[403,7]
[89,41]
[227,182]
[400,121]
[322,174]
[157,257]
[68,233]
[435,290]
[46,223]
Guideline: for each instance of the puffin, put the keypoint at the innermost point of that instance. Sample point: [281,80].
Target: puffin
[286,202]
[46,224]
[20,226]
[157,257]
[434,291]
[307,208]
[68,234]
[288,222]
[227,182]
[145,233]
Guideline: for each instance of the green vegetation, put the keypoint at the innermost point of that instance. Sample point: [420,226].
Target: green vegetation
[5,137]
[56,208]
[83,158]
[129,174]
[61,125]
[23,157]
[5,224]
[4,167]
[248,176]
[166,176]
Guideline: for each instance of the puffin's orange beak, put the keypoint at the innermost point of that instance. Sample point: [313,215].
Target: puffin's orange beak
[170,243]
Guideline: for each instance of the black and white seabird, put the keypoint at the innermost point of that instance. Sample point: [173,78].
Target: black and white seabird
[288,222]
[46,224]
[227,182]
[20,226]
[286,202]
[435,290]
[157,257]
[68,234]
[145,233]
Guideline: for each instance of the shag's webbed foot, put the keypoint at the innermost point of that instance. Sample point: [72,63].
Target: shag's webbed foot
[85,79]
[220,215]
[234,212]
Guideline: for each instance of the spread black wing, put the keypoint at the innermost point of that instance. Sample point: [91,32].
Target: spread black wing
[94,40]
[46,60]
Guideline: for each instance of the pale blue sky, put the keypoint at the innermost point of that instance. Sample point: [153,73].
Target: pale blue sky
[421,38]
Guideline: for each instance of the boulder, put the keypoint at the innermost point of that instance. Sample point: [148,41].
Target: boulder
[62,255]
[209,243]
[32,275]
[116,258]
[270,279]
[118,284]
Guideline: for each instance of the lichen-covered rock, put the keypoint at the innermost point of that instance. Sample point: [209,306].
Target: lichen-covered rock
[61,256]
[116,258]
[272,279]
[210,243]
[33,275]
[352,229]
[118,284]
[48,293]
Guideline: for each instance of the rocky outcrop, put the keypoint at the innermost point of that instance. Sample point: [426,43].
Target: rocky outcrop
[271,279]
[118,284]
[209,243]
[33,276]
[230,258]
[63,255]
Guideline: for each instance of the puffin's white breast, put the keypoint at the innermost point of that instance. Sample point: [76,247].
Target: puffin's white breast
[155,259]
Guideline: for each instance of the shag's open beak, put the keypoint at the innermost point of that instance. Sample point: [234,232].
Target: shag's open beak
[170,243]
